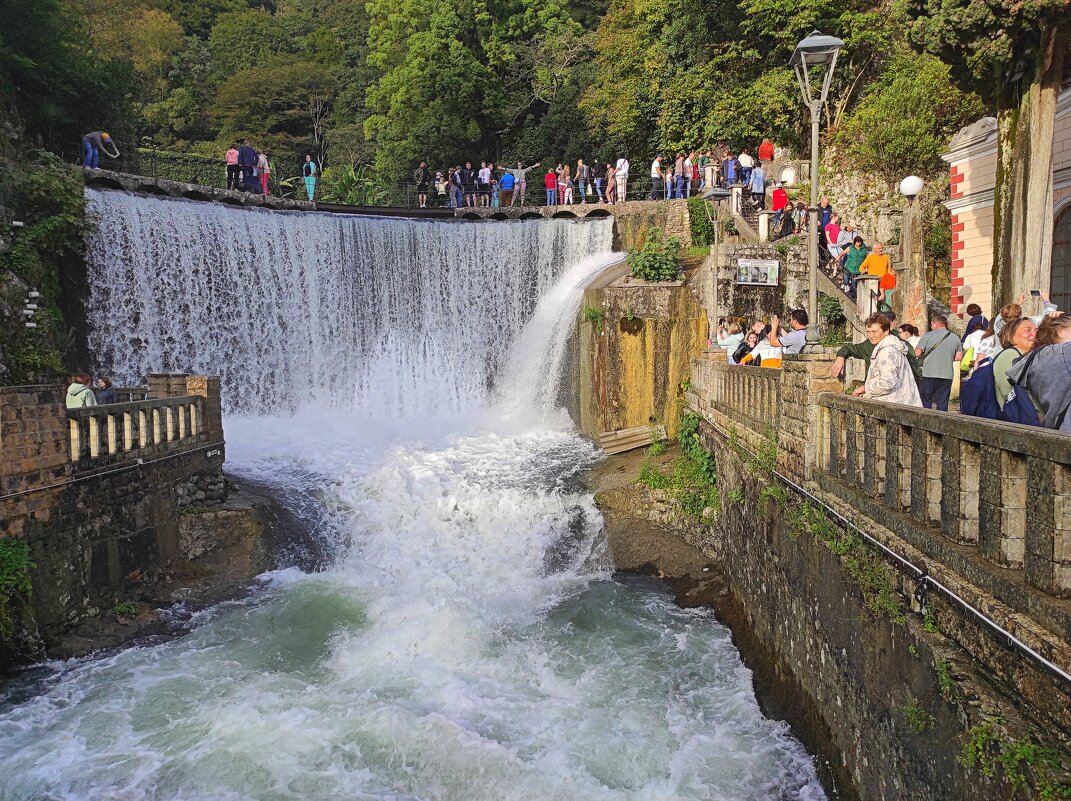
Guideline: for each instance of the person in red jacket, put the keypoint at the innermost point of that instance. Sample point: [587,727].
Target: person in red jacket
[766,151]
[550,181]
[778,204]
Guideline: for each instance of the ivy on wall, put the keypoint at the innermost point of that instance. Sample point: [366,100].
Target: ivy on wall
[44,254]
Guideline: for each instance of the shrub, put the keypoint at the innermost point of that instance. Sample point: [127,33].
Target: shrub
[702,229]
[657,260]
[15,567]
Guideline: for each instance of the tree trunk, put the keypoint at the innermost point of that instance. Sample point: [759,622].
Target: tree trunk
[1022,212]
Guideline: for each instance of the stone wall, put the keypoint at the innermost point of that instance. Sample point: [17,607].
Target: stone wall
[751,301]
[97,524]
[634,360]
[890,674]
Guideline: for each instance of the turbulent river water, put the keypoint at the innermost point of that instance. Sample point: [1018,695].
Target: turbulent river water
[467,640]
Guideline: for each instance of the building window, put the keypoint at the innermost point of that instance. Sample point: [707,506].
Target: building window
[1060,286]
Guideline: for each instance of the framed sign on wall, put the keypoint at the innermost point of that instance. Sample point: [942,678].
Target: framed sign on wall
[764,272]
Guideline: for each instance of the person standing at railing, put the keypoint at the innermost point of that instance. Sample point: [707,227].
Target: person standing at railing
[550,183]
[778,204]
[506,186]
[598,175]
[520,182]
[263,172]
[93,144]
[234,170]
[484,179]
[80,392]
[1047,376]
[611,183]
[442,190]
[657,176]
[938,352]
[621,177]
[422,177]
[457,199]
[583,176]
[247,160]
[105,391]
[877,263]
[309,171]
[890,378]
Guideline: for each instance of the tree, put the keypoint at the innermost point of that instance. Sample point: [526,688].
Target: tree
[1014,55]
[281,105]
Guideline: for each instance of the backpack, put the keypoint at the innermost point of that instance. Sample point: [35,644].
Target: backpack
[978,394]
[978,398]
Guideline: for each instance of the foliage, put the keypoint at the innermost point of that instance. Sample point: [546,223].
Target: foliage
[126,609]
[597,317]
[692,482]
[15,567]
[945,681]
[658,259]
[905,119]
[917,718]
[830,310]
[702,229]
[987,750]
[656,449]
[45,253]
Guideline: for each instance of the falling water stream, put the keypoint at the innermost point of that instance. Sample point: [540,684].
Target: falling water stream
[468,641]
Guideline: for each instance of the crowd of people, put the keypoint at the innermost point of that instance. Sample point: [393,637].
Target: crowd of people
[599,181]
[83,390]
[1015,367]
[249,170]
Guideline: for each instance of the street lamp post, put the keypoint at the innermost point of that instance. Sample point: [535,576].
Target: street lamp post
[914,296]
[816,50]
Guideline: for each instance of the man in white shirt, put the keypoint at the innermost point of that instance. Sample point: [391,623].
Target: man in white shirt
[688,176]
[796,338]
[747,164]
[621,177]
[657,177]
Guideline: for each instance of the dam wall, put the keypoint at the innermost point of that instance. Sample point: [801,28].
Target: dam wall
[898,576]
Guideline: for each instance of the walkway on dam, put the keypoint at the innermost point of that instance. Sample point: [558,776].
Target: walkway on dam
[106,179]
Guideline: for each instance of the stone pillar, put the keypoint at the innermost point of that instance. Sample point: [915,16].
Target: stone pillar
[166,385]
[34,451]
[803,377]
[736,194]
[207,387]
[764,225]
[865,288]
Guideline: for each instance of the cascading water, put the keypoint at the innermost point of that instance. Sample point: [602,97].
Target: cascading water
[468,642]
[403,316]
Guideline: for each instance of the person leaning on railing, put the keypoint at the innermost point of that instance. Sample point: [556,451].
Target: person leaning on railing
[1047,377]
[80,392]
[890,378]
[865,350]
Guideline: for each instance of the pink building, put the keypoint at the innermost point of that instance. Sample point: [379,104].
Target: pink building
[972,158]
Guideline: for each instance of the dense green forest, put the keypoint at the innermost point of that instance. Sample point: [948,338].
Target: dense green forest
[381,84]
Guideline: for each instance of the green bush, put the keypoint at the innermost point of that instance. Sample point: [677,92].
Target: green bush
[126,609]
[658,259]
[15,567]
[702,229]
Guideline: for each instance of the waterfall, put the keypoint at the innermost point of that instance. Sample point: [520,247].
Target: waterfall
[380,317]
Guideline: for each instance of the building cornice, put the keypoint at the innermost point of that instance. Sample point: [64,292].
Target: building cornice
[1063,103]
[971,202]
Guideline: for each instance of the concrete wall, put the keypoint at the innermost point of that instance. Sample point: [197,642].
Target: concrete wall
[101,522]
[633,364]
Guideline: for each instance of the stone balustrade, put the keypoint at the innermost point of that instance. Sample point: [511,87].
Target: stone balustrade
[124,428]
[740,394]
[1001,488]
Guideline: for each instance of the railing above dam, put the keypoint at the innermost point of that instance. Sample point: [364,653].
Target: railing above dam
[122,428]
[983,506]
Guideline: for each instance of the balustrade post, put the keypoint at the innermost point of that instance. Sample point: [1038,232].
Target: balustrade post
[194,430]
[874,469]
[113,438]
[94,438]
[1002,506]
[1048,529]
[851,448]
[960,464]
[76,440]
[180,411]
[156,438]
[128,431]
[169,423]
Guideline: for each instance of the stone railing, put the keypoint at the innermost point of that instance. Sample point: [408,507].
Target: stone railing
[743,399]
[123,428]
[1001,488]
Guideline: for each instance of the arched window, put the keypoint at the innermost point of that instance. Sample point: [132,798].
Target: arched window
[1060,287]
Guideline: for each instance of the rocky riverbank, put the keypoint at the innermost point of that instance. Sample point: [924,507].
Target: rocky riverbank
[228,533]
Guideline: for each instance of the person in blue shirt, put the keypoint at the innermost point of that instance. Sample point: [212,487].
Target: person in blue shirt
[505,188]
[309,171]
[757,185]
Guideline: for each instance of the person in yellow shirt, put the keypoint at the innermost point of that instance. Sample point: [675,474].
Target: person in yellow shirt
[877,263]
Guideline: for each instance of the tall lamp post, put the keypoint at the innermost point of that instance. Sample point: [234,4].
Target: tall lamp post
[817,50]
[914,297]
